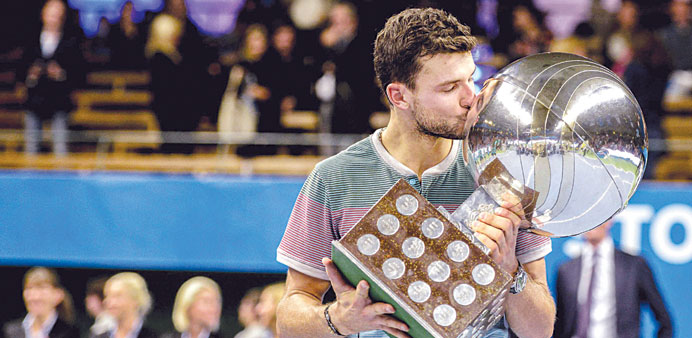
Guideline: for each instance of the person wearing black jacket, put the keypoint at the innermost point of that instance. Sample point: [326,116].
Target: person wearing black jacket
[600,293]
[49,308]
[52,67]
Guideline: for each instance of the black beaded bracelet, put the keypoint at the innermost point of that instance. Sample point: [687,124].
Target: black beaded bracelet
[329,321]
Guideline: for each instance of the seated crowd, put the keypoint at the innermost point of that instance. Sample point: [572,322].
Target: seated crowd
[118,307]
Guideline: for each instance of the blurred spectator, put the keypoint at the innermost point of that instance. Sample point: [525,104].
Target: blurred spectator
[602,17]
[584,42]
[289,85]
[563,16]
[618,46]
[93,302]
[172,104]
[52,68]
[599,293]
[128,301]
[197,309]
[248,317]
[347,74]
[268,302]
[530,37]
[126,40]
[647,77]
[254,90]
[677,38]
[49,308]
[200,67]
[96,49]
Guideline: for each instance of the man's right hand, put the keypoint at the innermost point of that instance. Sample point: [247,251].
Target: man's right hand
[355,312]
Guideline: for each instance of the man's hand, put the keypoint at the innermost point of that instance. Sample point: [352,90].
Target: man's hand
[355,312]
[498,231]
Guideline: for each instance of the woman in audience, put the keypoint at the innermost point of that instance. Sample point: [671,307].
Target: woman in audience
[170,85]
[128,301]
[52,68]
[49,308]
[530,36]
[248,317]
[197,309]
[266,308]
[618,46]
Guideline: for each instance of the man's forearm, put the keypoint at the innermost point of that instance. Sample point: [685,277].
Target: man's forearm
[301,315]
[531,313]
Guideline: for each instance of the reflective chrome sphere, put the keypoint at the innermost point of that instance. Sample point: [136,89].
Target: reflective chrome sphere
[566,127]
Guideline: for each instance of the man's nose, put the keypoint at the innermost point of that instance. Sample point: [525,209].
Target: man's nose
[467,95]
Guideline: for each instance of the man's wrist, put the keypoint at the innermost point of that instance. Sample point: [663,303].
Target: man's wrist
[519,281]
[330,324]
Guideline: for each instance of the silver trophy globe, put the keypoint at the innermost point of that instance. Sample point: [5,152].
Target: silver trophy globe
[568,130]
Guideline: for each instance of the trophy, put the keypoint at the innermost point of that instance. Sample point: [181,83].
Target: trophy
[435,273]
[556,132]
[568,129]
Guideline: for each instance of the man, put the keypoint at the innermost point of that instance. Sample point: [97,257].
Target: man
[611,306]
[424,65]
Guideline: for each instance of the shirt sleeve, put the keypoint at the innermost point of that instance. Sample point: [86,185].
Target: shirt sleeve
[309,232]
[531,247]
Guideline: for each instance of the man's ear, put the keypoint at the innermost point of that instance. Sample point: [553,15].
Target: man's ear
[399,95]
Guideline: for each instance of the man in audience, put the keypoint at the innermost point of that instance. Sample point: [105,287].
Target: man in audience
[599,294]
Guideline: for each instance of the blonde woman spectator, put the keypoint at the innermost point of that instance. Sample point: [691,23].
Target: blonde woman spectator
[171,83]
[49,308]
[128,301]
[197,309]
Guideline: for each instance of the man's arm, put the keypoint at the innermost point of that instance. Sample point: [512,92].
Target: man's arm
[531,313]
[301,312]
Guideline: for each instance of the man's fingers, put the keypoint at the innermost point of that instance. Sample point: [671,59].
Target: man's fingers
[488,242]
[379,308]
[505,213]
[494,233]
[396,333]
[514,206]
[338,282]
[362,290]
[393,323]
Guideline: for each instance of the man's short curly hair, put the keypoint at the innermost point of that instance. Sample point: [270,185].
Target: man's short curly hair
[412,34]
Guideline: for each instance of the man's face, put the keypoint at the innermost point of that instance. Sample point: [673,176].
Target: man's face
[443,94]
[598,234]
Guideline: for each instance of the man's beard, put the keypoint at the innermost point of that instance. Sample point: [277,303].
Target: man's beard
[437,128]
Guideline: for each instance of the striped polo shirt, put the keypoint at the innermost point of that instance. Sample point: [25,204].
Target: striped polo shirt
[342,188]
